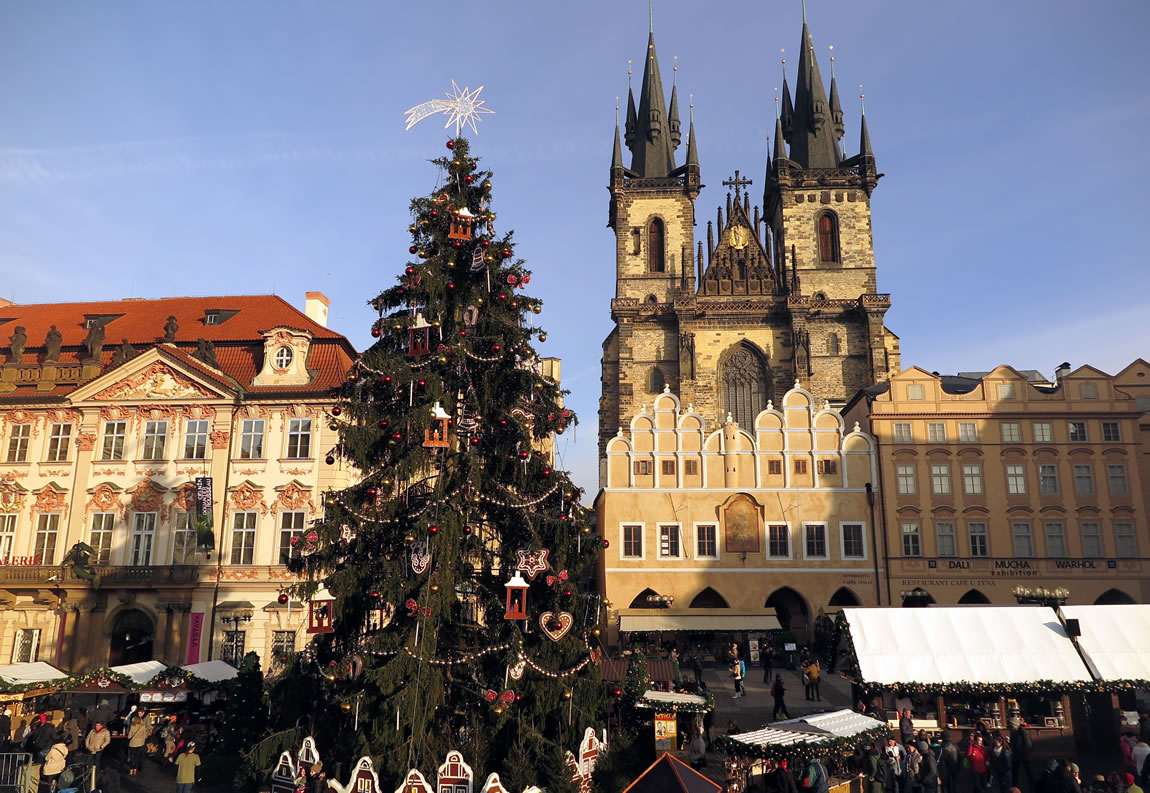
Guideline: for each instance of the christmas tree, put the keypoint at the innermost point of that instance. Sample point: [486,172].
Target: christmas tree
[459,571]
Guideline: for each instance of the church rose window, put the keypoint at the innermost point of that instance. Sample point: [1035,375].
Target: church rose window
[744,382]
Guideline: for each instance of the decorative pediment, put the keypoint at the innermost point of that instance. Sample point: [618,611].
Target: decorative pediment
[147,496]
[51,498]
[157,381]
[293,497]
[739,264]
[285,357]
[247,497]
[12,496]
[105,497]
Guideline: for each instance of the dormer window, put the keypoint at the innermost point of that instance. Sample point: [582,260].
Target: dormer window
[91,322]
[212,318]
[284,357]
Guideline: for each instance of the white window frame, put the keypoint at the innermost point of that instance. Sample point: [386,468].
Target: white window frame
[670,533]
[248,535]
[48,524]
[787,530]
[843,539]
[115,434]
[19,441]
[984,532]
[7,534]
[1010,432]
[155,443]
[1116,473]
[698,537]
[951,535]
[1016,479]
[142,539]
[907,478]
[972,479]
[807,525]
[251,433]
[1092,544]
[936,432]
[1073,435]
[1125,536]
[103,524]
[1112,431]
[1027,535]
[967,432]
[1043,431]
[903,432]
[283,357]
[1048,484]
[642,540]
[940,479]
[1054,532]
[197,439]
[33,635]
[1084,485]
[911,529]
[300,438]
[286,532]
[59,442]
[183,525]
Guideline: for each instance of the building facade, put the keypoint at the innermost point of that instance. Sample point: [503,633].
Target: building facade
[775,295]
[994,482]
[719,527]
[110,414]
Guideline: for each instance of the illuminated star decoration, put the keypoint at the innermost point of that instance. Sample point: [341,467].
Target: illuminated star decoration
[462,107]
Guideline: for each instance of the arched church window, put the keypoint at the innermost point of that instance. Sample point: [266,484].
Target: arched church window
[828,227]
[745,385]
[655,260]
[833,344]
[656,381]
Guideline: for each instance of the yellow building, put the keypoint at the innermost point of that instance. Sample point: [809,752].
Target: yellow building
[997,481]
[726,529]
[109,414]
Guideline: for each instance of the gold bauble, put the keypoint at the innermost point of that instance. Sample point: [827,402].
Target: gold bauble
[537,309]
[345,707]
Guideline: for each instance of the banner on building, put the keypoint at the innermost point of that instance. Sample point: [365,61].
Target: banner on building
[195,633]
[205,537]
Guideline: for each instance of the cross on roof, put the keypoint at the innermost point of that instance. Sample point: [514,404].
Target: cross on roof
[737,183]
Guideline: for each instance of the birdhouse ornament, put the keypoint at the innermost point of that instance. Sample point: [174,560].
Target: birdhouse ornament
[516,598]
[419,336]
[462,225]
[319,612]
[436,435]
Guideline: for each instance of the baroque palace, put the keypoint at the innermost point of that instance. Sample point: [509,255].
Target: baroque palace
[762,459]
[121,423]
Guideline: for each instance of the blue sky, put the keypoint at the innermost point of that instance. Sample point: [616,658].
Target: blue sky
[156,149]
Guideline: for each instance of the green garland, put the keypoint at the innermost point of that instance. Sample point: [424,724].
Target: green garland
[803,751]
[681,707]
[172,677]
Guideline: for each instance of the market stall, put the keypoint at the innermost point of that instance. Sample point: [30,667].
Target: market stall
[22,684]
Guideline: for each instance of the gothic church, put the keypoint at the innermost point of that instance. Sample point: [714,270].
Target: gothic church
[773,295]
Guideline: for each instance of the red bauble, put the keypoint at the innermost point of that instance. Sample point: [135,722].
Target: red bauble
[434,213]
[518,697]
[387,378]
[469,179]
[567,593]
[606,543]
[475,441]
[467,529]
[495,348]
[433,530]
[283,598]
[335,411]
[502,296]
[524,455]
[383,424]
[375,594]
[412,249]
[618,692]
[457,244]
[474,165]
[451,144]
[506,251]
[450,284]
[375,333]
[484,243]
[463,333]
[410,271]
[397,436]
[371,491]
[546,472]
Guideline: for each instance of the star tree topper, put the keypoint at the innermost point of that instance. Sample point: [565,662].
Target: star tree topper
[462,107]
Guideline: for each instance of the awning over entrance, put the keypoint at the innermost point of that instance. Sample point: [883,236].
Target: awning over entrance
[661,620]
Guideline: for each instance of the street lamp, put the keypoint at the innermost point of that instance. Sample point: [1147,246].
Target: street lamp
[915,598]
[1041,596]
[235,638]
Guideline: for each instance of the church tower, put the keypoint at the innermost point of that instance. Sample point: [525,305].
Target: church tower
[783,295]
[652,213]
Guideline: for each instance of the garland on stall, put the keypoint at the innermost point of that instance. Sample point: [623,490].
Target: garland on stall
[801,753]
[104,677]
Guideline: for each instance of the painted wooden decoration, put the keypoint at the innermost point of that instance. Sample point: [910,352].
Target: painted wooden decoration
[436,435]
[414,783]
[283,777]
[455,776]
[319,612]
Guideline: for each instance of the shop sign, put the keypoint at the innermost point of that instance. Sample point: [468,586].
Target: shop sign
[160,697]
[22,561]
[666,732]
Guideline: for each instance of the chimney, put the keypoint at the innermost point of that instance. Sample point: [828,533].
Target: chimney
[1062,370]
[315,306]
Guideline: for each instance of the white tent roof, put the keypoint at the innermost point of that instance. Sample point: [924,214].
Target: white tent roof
[1114,639]
[142,672]
[816,728]
[986,644]
[212,671]
[35,672]
[653,699]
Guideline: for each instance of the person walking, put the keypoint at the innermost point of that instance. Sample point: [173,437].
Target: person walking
[1020,743]
[55,761]
[137,741]
[805,668]
[913,766]
[697,750]
[5,731]
[949,764]
[895,779]
[906,727]
[186,765]
[171,736]
[927,769]
[778,690]
[874,771]
[815,670]
[697,664]
[44,736]
[816,780]
[766,660]
[979,762]
[1002,762]
[739,670]
[96,742]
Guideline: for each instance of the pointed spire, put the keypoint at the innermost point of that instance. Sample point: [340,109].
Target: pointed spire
[788,110]
[674,115]
[780,152]
[692,151]
[836,107]
[632,122]
[652,153]
[812,138]
[617,154]
[864,136]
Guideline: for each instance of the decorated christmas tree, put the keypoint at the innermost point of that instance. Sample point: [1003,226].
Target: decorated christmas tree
[452,589]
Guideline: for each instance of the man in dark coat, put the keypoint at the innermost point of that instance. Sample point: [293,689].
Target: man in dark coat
[949,764]
[927,769]
[44,736]
[874,770]
[779,780]
[1020,743]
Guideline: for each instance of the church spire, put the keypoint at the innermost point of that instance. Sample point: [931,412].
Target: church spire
[674,113]
[812,138]
[864,136]
[692,152]
[631,123]
[780,152]
[836,106]
[617,154]
[652,154]
[788,111]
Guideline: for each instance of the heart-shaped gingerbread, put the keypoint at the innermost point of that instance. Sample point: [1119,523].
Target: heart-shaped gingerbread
[491,695]
[516,671]
[562,623]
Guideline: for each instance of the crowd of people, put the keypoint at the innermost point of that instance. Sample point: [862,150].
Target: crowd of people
[76,752]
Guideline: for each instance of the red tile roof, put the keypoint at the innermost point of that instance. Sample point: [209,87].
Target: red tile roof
[238,338]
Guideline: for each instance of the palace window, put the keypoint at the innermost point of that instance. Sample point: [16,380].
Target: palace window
[101,537]
[1023,541]
[915,392]
[184,540]
[691,467]
[853,547]
[299,439]
[18,443]
[1110,432]
[1011,432]
[7,535]
[1048,480]
[642,467]
[668,467]
[979,539]
[800,466]
[906,483]
[1006,391]
[744,384]
[828,466]
[774,467]
[1055,538]
[26,648]
[283,358]
[779,541]
[902,433]
[233,649]
[1127,543]
[1089,390]
[1083,480]
[936,431]
[113,448]
[283,645]
[816,540]
[656,381]
[155,440]
[1116,474]
[1015,480]
[1043,432]
[143,538]
[1077,431]
[291,527]
[911,539]
[655,246]
[944,534]
[828,226]
[706,542]
[1091,538]
[832,344]
[243,538]
[633,542]
[252,439]
[196,440]
[940,479]
[59,439]
[968,432]
[972,479]
[669,541]
[47,529]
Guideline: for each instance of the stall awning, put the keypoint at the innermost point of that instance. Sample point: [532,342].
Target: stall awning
[212,671]
[35,672]
[669,699]
[140,673]
[963,644]
[816,728]
[1114,639]
[657,620]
